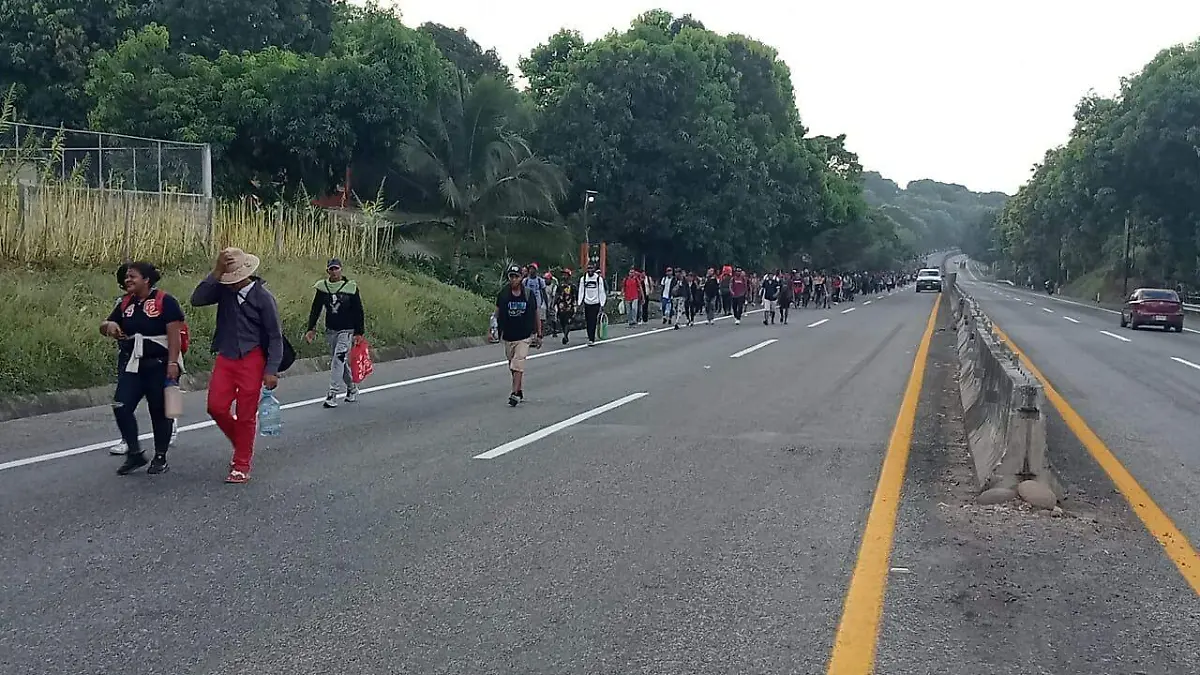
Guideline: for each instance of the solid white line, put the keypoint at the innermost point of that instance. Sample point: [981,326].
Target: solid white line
[1186,362]
[755,348]
[1047,309]
[1114,335]
[847,311]
[1029,303]
[818,323]
[1071,320]
[867,302]
[314,401]
[554,428]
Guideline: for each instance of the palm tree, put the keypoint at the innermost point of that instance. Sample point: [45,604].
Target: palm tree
[478,171]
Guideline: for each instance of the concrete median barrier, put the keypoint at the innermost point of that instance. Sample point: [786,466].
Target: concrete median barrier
[1003,410]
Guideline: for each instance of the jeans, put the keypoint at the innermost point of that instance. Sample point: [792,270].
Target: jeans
[710,308]
[631,311]
[238,380]
[339,342]
[148,383]
[739,306]
[591,314]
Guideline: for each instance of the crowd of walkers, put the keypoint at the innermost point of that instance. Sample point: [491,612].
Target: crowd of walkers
[150,329]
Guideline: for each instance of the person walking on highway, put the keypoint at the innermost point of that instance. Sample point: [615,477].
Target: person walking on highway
[592,296]
[725,280]
[647,293]
[537,285]
[679,296]
[632,288]
[121,447]
[564,306]
[148,327]
[520,328]
[249,345]
[769,292]
[695,298]
[712,296]
[664,301]
[787,294]
[739,286]
[552,302]
[345,321]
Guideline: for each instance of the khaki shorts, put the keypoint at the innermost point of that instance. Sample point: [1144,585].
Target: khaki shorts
[516,353]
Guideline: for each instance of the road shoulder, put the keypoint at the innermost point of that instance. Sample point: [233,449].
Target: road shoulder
[1006,589]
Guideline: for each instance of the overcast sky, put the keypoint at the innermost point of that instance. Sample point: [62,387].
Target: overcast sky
[959,91]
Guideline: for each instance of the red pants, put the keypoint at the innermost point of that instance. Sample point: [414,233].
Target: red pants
[238,380]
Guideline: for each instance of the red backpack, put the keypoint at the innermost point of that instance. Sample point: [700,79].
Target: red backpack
[185,338]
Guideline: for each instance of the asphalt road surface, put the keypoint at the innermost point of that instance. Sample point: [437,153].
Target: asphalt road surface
[690,511]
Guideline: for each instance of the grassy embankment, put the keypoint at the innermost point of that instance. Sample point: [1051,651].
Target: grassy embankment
[59,253]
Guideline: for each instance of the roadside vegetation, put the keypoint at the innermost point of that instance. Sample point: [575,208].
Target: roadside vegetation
[50,341]
[1131,160]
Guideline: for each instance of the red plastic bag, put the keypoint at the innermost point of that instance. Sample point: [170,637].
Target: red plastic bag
[361,366]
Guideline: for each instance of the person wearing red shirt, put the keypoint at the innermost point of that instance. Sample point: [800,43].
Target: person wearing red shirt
[633,294]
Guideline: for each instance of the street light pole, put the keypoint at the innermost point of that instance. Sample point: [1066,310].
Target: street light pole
[589,196]
[1125,262]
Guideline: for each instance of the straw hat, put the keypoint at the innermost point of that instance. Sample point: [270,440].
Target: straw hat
[241,268]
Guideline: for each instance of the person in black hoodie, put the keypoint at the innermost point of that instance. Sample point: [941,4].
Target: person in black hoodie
[344,325]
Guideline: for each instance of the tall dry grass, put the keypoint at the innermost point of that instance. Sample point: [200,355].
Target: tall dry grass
[48,224]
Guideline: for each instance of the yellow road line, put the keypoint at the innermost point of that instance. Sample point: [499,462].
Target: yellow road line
[1173,541]
[854,646]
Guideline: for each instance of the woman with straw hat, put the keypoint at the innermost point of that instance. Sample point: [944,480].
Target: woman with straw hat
[249,345]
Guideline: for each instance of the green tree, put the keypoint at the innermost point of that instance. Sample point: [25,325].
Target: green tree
[466,54]
[213,26]
[274,115]
[46,48]
[478,174]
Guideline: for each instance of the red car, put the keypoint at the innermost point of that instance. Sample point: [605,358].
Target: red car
[1153,307]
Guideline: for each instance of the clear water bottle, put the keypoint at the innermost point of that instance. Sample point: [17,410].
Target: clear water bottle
[270,417]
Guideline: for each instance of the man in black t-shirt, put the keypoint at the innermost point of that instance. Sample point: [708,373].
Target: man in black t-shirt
[770,296]
[520,328]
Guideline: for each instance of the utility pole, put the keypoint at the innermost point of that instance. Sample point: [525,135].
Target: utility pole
[589,196]
[1125,262]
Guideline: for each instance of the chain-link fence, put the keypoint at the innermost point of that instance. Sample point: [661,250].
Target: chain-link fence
[92,159]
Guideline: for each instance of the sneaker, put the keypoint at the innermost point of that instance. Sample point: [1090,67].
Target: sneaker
[591,343]
[764,322]
[352,395]
[121,448]
[565,339]
[513,400]
[676,326]
[133,461]
[236,476]
[521,395]
[737,322]
[158,464]
[330,400]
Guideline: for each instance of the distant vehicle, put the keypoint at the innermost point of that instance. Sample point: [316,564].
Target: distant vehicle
[1153,307]
[929,279]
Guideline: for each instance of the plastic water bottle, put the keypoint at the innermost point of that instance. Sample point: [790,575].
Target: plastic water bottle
[270,417]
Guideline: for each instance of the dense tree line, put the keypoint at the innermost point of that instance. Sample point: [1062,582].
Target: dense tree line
[931,215]
[691,139]
[1132,158]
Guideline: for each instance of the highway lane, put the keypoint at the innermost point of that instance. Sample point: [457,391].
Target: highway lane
[709,526]
[1004,589]
[1130,386]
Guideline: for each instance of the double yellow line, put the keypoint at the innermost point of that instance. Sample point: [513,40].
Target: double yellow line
[857,633]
